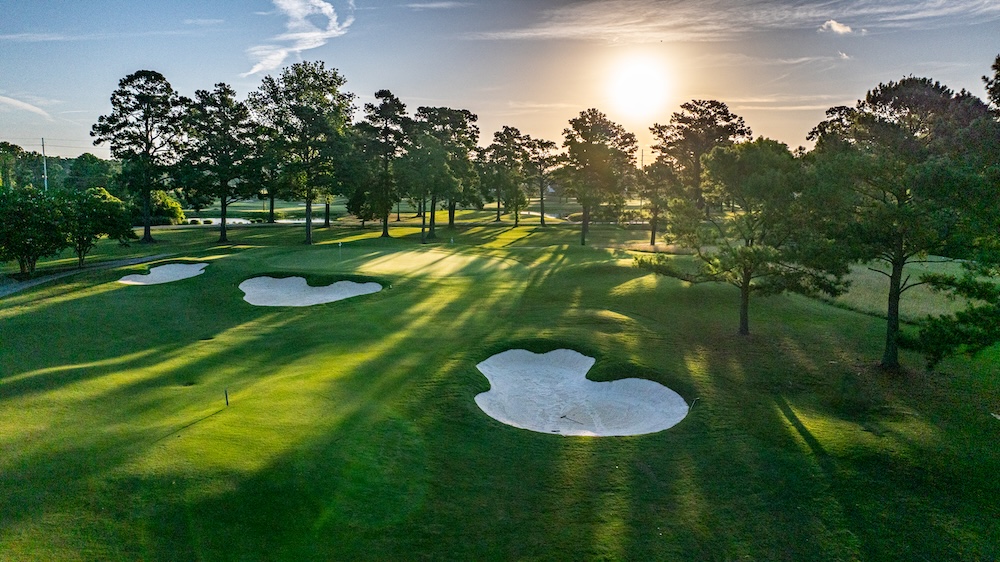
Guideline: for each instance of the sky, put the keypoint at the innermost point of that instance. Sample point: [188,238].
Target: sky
[530,64]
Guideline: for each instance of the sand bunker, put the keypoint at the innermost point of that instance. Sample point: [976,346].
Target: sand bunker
[550,393]
[165,274]
[294,291]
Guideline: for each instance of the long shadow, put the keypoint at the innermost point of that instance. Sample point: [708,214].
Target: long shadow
[354,435]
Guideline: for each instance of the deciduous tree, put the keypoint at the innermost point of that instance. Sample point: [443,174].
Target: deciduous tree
[90,214]
[32,226]
[457,132]
[502,170]
[306,112]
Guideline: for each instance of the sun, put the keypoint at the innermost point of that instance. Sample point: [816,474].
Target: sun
[639,87]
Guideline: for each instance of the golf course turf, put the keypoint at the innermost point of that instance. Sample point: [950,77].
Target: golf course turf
[352,431]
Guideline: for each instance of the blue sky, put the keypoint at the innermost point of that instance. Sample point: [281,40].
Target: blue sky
[532,64]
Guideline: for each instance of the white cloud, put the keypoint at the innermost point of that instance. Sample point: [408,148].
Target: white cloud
[836,27]
[24,106]
[844,56]
[301,34]
[642,21]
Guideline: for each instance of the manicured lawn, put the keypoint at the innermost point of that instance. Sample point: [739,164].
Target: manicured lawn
[352,431]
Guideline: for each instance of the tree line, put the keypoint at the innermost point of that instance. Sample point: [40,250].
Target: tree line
[910,171]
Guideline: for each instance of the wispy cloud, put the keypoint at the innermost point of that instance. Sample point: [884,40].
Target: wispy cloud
[301,33]
[785,102]
[203,22]
[24,106]
[38,37]
[67,37]
[436,5]
[740,59]
[836,27]
[710,20]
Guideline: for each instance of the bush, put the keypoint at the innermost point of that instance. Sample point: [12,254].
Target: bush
[194,221]
[164,210]
[208,221]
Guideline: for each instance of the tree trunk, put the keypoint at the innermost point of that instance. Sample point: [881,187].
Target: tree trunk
[309,216]
[652,226]
[541,202]
[423,220]
[398,203]
[433,212]
[745,306]
[147,216]
[452,205]
[385,223]
[498,206]
[270,216]
[890,357]
[586,223]
[222,222]
[326,216]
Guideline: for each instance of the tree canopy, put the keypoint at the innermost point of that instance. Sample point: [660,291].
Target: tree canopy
[305,112]
[145,130]
[600,155]
[910,185]
[693,132]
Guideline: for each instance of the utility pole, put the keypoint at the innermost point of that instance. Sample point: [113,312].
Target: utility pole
[45,168]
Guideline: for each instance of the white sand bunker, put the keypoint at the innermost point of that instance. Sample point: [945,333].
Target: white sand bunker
[165,274]
[550,393]
[294,291]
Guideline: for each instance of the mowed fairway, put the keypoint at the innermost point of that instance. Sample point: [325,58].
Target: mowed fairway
[352,432]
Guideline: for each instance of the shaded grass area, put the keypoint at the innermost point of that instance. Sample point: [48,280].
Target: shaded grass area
[352,432]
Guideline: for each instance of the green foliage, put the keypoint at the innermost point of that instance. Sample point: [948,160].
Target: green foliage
[502,173]
[90,214]
[9,154]
[458,135]
[692,133]
[908,166]
[540,163]
[974,329]
[775,239]
[379,141]
[32,226]
[164,210]
[304,112]
[88,171]
[220,161]
[600,155]
[145,130]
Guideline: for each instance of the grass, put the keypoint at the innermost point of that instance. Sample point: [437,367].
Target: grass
[352,432]
[869,289]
